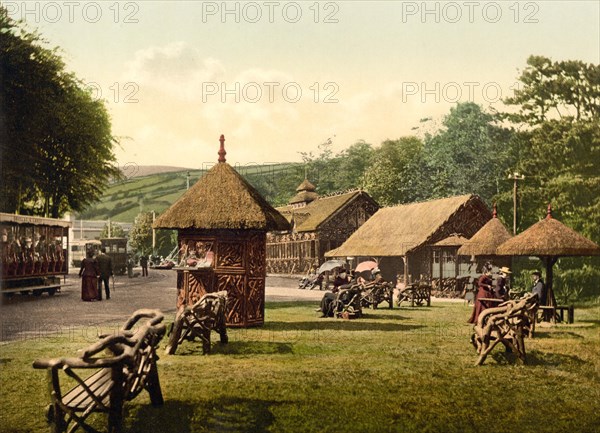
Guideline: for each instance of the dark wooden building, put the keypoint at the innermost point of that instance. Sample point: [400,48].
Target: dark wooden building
[222,223]
[318,225]
[418,241]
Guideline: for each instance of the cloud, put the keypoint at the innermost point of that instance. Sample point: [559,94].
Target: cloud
[176,69]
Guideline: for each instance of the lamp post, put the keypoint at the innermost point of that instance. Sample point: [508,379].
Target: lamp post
[516,177]
[153,233]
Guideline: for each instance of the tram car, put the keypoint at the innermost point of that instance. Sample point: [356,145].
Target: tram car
[79,249]
[116,249]
[34,254]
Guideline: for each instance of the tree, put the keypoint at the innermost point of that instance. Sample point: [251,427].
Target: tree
[469,155]
[322,169]
[556,90]
[558,140]
[56,140]
[116,231]
[353,165]
[394,173]
[140,235]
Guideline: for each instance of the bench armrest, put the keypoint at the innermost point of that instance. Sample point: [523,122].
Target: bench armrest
[155,317]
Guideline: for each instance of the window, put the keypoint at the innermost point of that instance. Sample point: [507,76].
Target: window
[435,271]
[448,264]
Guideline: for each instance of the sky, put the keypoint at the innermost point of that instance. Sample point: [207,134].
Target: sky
[279,78]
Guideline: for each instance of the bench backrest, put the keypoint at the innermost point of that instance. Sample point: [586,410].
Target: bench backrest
[142,355]
[210,309]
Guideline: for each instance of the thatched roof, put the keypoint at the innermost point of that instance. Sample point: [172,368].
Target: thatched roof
[308,218]
[487,239]
[549,237]
[222,199]
[451,241]
[394,231]
[306,193]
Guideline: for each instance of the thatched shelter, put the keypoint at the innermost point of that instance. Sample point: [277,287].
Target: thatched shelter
[318,225]
[483,245]
[222,223]
[549,239]
[404,237]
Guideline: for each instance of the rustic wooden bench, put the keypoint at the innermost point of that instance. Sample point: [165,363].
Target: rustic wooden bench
[508,323]
[206,315]
[375,293]
[415,293]
[124,364]
[558,312]
[347,303]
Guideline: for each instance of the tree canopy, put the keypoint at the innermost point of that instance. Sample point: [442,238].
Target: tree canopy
[56,140]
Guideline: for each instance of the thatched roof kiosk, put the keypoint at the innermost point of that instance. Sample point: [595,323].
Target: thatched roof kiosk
[222,223]
[482,246]
[549,239]
[404,236]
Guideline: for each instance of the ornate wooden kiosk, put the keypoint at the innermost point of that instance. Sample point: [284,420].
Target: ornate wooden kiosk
[237,265]
[222,223]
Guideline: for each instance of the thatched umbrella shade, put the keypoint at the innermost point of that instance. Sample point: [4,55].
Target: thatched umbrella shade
[487,240]
[549,239]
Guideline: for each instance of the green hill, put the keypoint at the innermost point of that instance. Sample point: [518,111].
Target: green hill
[124,200]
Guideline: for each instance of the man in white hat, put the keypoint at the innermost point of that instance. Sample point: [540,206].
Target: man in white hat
[501,288]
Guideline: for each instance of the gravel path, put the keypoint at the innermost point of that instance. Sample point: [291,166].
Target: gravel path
[37,317]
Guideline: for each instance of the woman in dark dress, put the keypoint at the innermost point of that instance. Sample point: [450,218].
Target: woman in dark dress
[485,290]
[89,278]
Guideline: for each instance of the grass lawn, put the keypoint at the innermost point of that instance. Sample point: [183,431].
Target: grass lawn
[401,370]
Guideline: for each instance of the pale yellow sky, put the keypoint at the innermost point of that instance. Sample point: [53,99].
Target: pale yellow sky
[278,78]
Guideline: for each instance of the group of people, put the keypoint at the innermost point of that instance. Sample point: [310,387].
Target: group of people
[26,257]
[497,288]
[346,280]
[95,273]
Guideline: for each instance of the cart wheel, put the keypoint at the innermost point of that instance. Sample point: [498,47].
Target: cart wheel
[51,292]
[38,292]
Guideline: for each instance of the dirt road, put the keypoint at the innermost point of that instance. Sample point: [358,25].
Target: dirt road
[35,317]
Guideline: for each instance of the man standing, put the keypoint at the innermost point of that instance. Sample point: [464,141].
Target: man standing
[106,271]
[501,289]
[539,288]
[144,265]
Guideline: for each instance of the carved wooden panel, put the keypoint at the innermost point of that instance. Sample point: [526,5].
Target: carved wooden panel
[199,283]
[234,284]
[181,299]
[255,300]
[257,255]
[230,254]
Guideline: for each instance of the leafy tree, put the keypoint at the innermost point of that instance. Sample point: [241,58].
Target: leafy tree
[116,231]
[322,169]
[558,122]
[140,235]
[353,165]
[56,141]
[394,173]
[470,154]
[559,136]
[556,90]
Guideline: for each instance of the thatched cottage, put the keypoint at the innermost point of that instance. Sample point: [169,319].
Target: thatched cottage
[318,225]
[418,240]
